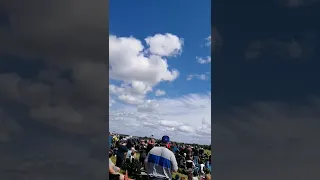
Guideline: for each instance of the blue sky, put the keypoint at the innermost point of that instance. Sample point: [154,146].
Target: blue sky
[190,23]
[187,19]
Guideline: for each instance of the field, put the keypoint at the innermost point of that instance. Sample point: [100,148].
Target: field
[113,159]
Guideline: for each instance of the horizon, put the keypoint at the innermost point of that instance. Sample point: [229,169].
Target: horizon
[160,139]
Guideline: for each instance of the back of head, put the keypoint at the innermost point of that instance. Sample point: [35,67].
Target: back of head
[165,140]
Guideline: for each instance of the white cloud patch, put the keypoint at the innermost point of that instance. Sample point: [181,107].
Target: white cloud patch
[183,118]
[204,60]
[137,70]
[164,44]
[111,101]
[160,92]
[208,41]
[202,77]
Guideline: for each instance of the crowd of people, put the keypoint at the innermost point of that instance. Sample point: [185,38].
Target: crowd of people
[158,159]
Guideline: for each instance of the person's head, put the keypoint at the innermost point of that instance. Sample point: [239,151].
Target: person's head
[165,141]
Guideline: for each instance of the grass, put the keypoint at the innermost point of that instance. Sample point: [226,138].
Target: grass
[113,159]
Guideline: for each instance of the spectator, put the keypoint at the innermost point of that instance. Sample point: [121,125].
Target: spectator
[110,140]
[190,164]
[122,150]
[114,172]
[201,151]
[133,155]
[143,155]
[195,175]
[196,156]
[129,143]
[202,173]
[150,145]
[128,156]
[160,162]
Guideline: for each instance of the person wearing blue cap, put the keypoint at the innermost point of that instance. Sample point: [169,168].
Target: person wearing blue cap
[160,162]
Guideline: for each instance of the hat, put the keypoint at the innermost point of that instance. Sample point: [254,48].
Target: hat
[165,139]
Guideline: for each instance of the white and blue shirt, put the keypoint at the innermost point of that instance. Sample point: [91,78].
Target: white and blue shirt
[160,162]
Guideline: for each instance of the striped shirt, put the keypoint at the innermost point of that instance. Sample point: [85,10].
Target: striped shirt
[160,162]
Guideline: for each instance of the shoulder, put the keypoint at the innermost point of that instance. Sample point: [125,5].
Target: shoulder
[169,153]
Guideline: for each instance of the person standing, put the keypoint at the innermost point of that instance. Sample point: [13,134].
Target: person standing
[151,144]
[122,150]
[160,162]
[196,156]
[110,140]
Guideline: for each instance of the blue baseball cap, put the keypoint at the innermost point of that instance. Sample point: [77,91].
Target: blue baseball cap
[165,139]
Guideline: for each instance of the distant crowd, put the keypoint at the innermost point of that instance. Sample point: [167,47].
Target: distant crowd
[156,159]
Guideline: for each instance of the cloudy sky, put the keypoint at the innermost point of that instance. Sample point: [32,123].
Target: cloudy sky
[265,95]
[160,69]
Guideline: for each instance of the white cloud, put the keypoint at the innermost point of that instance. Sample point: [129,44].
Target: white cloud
[111,101]
[160,92]
[186,129]
[130,99]
[138,71]
[205,60]
[183,118]
[198,76]
[164,45]
[208,41]
[170,124]
[148,106]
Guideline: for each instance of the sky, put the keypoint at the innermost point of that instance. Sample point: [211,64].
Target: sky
[265,95]
[160,69]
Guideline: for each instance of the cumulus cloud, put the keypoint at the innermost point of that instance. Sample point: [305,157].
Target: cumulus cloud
[137,70]
[160,92]
[164,44]
[198,76]
[204,60]
[182,117]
